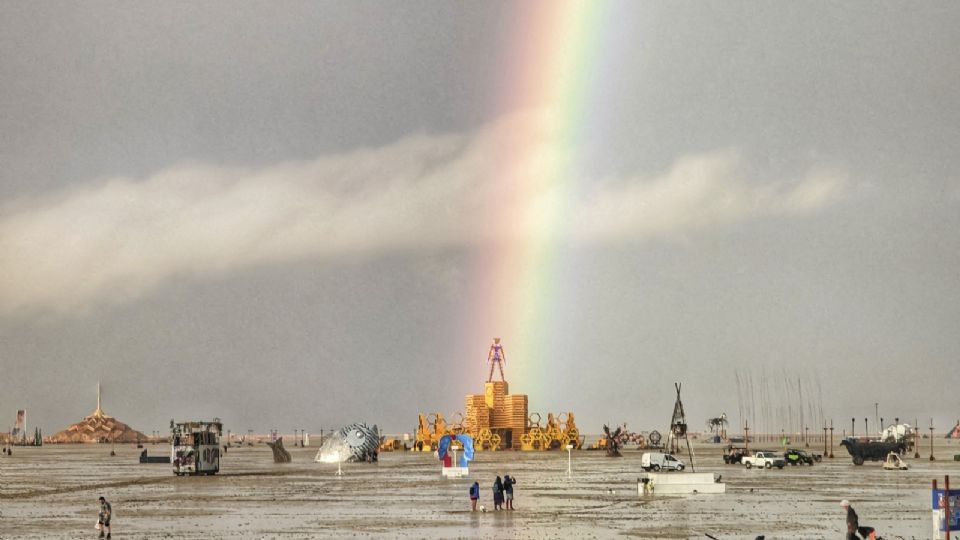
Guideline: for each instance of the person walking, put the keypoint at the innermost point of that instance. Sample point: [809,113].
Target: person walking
[508,483]
[498,494]
[474,496]
[106,510]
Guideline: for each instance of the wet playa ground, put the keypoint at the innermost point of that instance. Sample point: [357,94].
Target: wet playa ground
[51,492]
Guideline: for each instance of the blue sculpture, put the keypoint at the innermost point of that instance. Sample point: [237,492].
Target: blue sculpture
[465,440]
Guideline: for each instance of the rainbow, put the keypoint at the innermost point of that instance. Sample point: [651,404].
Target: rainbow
[551,70]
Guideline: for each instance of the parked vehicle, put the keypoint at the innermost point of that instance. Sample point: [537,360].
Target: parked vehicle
[733,454]
[795,456]
[894,463]
[764,459]
[656,461]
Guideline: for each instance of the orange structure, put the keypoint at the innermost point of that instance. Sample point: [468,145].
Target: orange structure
[97,427]
[497,419]
[498,412]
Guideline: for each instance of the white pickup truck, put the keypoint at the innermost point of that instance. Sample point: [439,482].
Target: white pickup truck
[764,459]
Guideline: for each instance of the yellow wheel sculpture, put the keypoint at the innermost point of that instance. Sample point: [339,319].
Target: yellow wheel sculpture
[536,438]
[526,442]
[573,437]
[455,425]
[554,437]
[482,442]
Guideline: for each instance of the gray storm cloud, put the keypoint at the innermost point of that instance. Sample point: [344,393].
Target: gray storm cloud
[114,240]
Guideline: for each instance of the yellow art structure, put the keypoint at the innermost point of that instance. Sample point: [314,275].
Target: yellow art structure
[499,420]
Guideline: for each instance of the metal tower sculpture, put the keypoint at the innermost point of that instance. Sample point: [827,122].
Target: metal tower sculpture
[496,358]
[678,428]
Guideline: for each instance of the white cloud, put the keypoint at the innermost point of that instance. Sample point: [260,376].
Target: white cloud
[115,240]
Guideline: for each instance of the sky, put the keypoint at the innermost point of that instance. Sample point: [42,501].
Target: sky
[305,214]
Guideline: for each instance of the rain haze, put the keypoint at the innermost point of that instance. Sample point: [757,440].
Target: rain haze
[300,215]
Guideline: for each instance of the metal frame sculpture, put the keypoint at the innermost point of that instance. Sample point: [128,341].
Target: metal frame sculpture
[718,426]
[678,428]
[613,441]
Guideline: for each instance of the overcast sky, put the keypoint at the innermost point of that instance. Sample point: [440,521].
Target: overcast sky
[279,214]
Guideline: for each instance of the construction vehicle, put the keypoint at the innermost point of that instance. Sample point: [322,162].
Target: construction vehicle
[862,451]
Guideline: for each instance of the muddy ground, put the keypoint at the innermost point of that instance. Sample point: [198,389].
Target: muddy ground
[51,492]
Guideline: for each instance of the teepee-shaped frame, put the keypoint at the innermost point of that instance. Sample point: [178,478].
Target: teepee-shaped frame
[678,429]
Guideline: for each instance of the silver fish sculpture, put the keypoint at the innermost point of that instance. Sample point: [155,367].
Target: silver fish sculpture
[354,443]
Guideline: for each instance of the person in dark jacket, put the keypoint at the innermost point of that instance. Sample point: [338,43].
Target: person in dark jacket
[508,483]
[498,494]
[853,524]
[474,496]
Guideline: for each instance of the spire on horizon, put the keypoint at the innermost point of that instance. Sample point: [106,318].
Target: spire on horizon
[99,411]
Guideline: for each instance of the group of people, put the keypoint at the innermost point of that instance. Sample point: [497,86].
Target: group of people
[503,500]
[502,493]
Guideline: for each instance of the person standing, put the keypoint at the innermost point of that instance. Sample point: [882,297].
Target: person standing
[508,483]
[853,521]
[853,524]
[498,494]
[106,510]
[474,496]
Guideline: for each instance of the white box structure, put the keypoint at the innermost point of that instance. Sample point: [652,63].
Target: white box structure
[680,483]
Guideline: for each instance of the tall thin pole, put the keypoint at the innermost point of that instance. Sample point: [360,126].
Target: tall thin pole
[746,436]
[931,439]
[946,500]
[831,437]
[876,414]
[916,438]
[99,411]
[936,523]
